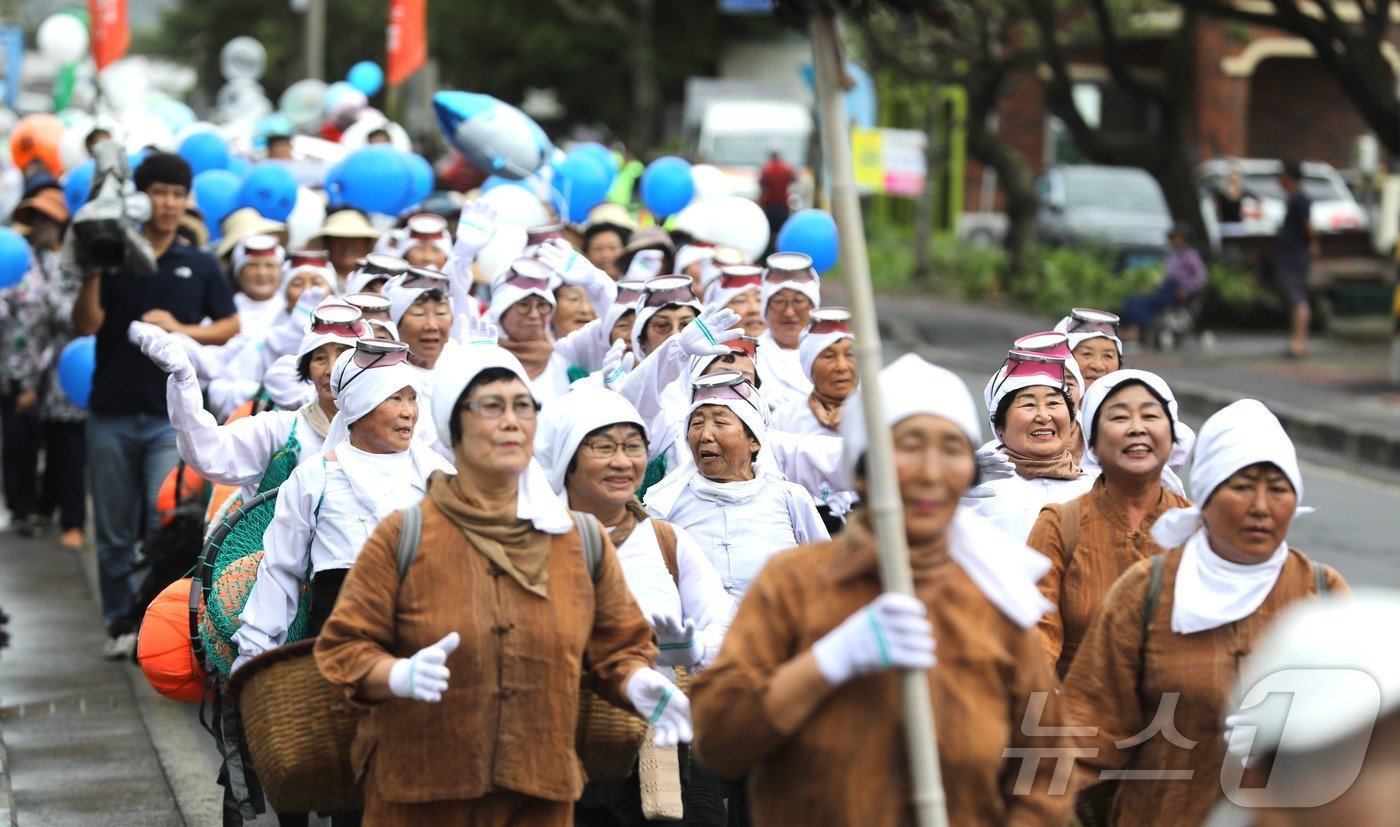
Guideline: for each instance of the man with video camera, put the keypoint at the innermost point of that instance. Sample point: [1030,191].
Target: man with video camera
[136,269]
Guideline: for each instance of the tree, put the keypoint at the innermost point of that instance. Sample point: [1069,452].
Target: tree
[1350,49]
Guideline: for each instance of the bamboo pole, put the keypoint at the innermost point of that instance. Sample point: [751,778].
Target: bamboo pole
[886,507]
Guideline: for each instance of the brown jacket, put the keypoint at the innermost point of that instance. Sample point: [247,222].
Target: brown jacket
[1118,684]
[1081,575]
[507,719]
[847,763]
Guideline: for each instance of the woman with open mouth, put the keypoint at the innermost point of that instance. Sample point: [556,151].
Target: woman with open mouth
[1166,643]
[1032,415]
[420,307]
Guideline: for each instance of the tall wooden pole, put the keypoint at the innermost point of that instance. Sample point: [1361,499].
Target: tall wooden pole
[886,507]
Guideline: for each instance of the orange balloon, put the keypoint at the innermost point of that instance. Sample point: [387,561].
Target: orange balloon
[36,137]
[163,646]
[191,485]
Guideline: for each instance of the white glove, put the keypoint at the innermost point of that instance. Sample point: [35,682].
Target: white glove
[617,363]
[893,631]
[478,330]
[711,332]
[645,265]
[476,225]
[423,677]
[994,464]
[664,706]
[570,265]
[679,646]
[167,353]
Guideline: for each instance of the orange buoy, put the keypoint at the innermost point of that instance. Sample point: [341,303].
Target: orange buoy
[246,409]
[191,486]
[163,645]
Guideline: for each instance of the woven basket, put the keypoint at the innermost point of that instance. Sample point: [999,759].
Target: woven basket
[607,739]
[299,729]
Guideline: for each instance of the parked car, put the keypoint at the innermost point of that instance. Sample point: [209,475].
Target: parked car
[1334,208]
[1118,207]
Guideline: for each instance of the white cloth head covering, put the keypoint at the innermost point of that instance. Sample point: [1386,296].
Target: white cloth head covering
[402,298]
[1078,337]
[688,254]
[505,295]
[565,422]
[1106,385]
[390,243]
[289,273]
[811,345]
[811,289]
[535,499]
[241,257]
[358,391]
[663,496]
[717,295]
[312,340]
[1237,436]
[644,315]
[360,281]
[1016,383]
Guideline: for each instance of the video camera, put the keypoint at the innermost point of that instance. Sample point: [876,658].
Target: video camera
[107,229]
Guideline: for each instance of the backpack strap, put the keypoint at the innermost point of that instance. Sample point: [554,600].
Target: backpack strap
[590,531]
[1319,577]
[410,532]
[1069,529]
[666,538]
[1154,593]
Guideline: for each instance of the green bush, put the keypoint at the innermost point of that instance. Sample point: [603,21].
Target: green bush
[1061,277]
[1238,291]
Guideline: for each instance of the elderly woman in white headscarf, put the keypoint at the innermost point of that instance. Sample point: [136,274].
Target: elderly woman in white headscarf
[257,274]
[521,306]
[805,695]
[1176,626]
[739,287]
[470,651]
[329,507]
[1032,415]
[791,291]
[739,511]
[827,352]
[256,452]
[1093,339]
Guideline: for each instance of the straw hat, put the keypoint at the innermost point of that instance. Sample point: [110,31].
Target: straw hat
[245,222]
[610,214]
[344,224]
[48,202]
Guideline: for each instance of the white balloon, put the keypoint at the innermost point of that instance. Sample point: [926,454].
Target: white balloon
[710,182]
[304,103]
[738,222]
[516,206]
[308,214]
[505,246]
[357,135]
[694,219]
[242,57]
[124,85]
[72,147]
[144,129]
[63,38]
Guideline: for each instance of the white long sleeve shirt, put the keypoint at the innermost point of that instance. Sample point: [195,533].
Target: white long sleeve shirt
[321,524]
[1018,500]
[782,373]
[699,595]
[796,417]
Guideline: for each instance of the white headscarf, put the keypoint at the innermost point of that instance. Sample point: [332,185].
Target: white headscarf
[1211,591]
[402,298]
[535,499]
[688,254]
[644,315]
[717,295]
[565,422]
[662,496]
[289,273]
[360,280]
[1107,384]
[811,345]
[358,391]
[1078,337]
[1016,383]
[241,257]
[1005,569]
[505,295]
[810,289]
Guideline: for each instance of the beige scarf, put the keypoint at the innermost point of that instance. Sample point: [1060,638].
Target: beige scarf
[316,417]
[508,541]
[634,515]
[827,409]
[534,354]
[1061,467]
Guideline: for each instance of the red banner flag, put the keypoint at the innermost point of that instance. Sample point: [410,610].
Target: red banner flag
[111,34]
[408,39]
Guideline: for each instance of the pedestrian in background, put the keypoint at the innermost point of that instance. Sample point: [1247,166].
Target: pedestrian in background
[775,179]
[1183,276]
[1294,249]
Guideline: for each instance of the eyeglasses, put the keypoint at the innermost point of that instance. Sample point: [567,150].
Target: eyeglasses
[381,265]
[797,301]
[645,264]
[421,278]
[426,227]
[606,448]
[664,290]
[494,407]
[536,236]
[533,305]
[372,305]
[1048,343]
[789,267]
[338,319]
[374,353]
[630,291]
[736,276]
[316,258]
[728,385]
[830,320]
[662,328]
[1023,364]
[1089,320]
[527,274]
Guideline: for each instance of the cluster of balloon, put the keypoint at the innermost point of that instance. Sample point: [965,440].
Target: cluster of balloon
[667,185]
[380,179]
[812,232]
[495,137]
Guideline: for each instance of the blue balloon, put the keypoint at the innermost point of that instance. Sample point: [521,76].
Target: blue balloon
[14,257]
[366,76]
[77,183]
[495,137]
[812,232]
[204,151]
[240,166]
[667,185]
[599,153]
[274,124]
[423,177]
[270,189]
[216,195]
[584,183]
[75,368]
[376,179]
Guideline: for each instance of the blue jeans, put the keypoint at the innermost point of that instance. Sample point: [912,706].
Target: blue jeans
[129,456]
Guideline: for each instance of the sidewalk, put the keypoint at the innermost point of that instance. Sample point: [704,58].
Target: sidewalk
[1338,399]
[85,740]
